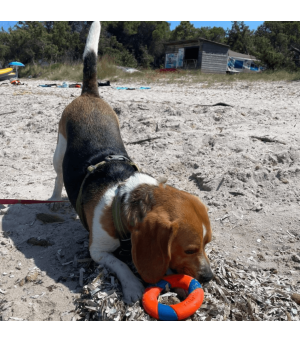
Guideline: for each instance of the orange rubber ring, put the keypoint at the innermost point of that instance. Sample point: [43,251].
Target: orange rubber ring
[173,312]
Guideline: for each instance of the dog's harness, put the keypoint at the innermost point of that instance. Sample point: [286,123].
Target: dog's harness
[122,233]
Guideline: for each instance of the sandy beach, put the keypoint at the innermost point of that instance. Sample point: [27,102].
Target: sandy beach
[236,146]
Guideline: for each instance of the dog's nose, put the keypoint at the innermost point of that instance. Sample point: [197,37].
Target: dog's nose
[206,277]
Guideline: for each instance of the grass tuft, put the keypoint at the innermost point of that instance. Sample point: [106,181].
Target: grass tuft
[107,70]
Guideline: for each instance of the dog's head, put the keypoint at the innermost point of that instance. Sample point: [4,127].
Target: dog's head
[171,229]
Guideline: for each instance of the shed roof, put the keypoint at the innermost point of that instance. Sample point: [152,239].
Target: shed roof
[195,40]
[232,53]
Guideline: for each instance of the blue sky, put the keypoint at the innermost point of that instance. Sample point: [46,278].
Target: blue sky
[7,24]
[225,24]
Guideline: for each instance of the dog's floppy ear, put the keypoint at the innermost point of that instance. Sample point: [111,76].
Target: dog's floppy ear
[151,247]
[140,202]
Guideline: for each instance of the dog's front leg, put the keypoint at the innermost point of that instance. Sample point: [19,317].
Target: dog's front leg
[131,286]
[57,163]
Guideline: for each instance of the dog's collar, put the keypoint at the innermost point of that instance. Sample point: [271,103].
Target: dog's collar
[110,158]
[90,170]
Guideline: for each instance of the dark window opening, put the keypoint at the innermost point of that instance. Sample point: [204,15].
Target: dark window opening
[191,58]
[191,53]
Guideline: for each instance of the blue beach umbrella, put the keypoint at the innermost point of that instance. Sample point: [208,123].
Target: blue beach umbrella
[16,64]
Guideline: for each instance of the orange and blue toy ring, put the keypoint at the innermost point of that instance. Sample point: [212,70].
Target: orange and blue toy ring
[173,312]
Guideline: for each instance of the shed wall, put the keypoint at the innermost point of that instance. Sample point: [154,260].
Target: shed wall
[200,55]
[173,49]
[214,58]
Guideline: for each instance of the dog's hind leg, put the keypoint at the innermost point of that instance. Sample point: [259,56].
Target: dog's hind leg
[57,163]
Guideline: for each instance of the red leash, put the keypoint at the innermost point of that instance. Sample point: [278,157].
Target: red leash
[20,201]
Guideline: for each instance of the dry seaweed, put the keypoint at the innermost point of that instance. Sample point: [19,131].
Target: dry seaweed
[238,292]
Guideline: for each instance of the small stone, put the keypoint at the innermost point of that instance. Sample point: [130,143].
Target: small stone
[51,288]
[49,218]
[261,257]
[32,275]
[22,282]
[40,242]
[258,240]
[296,298]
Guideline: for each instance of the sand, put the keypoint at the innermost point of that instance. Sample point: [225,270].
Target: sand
[242,160]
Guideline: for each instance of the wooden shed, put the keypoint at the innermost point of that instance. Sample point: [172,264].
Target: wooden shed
[200,53]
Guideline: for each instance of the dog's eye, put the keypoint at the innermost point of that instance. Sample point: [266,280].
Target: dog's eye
[190,252]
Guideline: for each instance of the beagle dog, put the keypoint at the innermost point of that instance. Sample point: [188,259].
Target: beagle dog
[169,228]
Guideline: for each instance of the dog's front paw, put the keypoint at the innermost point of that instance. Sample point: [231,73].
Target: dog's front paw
[132,291]
[55,206]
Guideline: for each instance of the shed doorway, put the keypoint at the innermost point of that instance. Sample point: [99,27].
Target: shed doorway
[191,57]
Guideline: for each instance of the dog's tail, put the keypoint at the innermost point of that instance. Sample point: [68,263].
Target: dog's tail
[90,84]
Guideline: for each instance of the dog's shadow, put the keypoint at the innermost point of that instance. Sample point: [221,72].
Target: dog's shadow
[51,241]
